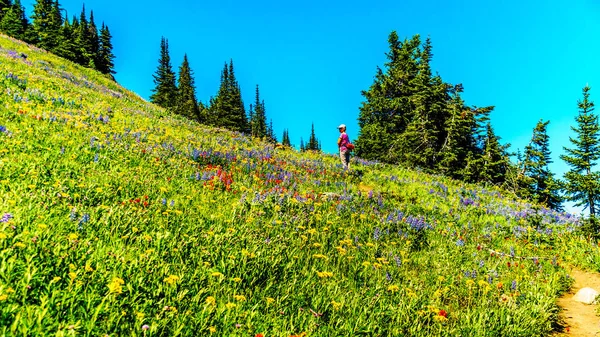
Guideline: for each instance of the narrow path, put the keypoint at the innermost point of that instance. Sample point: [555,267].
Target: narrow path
[580,319]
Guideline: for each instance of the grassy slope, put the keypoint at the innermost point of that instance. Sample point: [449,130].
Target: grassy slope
[146,219]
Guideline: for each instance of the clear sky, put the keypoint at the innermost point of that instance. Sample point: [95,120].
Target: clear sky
[312,58]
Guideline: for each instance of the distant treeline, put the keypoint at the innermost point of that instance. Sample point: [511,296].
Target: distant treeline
[78,40]
[177,93]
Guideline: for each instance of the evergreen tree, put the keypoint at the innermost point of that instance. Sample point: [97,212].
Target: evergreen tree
[271,137]
[186,96]
[227,108]
[43,24]
[93,45]
[165,90]
[582,184]
[387,109]
[537,179]
[286,138]
[259,118]
[106,57]
[4,7]
[302,147]
[14,22]
[66,42]
[313,142]
[83,40]
[495,160]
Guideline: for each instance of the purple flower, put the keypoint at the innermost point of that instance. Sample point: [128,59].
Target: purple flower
[388,276]
[460,243]
[377,234]
[145,327]
[513,285]
[3,129]
[6,217]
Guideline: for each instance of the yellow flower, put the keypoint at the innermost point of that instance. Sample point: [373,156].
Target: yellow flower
[312,231]
[483,283]
[20,245]
[42,226]
[324,274]
[88,268]
[270,300]
[240,298]
[341,250]
[317,245]
[216,274]
[470,283]
[439,318]
[230,305]
[55,279]
[73,236]
[211,301]
[116,286]
[319,256]
[336,305]
[3,297]
[172,279]
[363,216]
[366,264]
[393,288]
[72,275]
[212,329]
[3,236]
[377,265]
[441,279]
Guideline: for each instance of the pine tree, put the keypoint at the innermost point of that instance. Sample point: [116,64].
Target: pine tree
[227,108]
[582,184]
[66,42]
[83,40]
[94,44]
[259,118]
[271,137]
[14,22]
[387,109]
[313,142]
[106,57]
[43,24]
[165,90]
[495,159]
[4,7]
[302,147]
[286,138]
[186,95]
[536,178]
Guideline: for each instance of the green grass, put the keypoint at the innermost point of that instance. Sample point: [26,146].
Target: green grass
[145,224]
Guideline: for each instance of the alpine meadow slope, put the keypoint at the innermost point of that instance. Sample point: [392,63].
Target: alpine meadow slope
[118,218]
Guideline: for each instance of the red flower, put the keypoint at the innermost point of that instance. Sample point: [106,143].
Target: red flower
[508,264]
[443,313]
[259,335]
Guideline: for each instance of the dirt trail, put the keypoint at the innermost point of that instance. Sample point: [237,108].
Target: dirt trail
[580,319]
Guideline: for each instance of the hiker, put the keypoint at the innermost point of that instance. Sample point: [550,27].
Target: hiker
[342,142]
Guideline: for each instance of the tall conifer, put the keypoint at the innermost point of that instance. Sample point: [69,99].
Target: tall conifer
[582,183]
[165,90]
[186,95]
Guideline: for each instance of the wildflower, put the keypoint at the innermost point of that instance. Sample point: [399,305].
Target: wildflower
[240,298]
[6,217]
[55,279]
[470,283]
[216,274]
[460,243]
[210,300]
[230,305]
[3,297]
[270,300]
[145,327]
[237,279]
[324,274]
[336,305]
[513,285]
[3,236]
[172,279]
[212,329]
[319,256]
[393,288]
[116,285]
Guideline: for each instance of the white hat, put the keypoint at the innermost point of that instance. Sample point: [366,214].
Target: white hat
[342,126]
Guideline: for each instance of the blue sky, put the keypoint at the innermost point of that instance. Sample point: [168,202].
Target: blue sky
[312,58]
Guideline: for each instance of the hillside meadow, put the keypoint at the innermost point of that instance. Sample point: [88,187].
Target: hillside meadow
[119,219]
